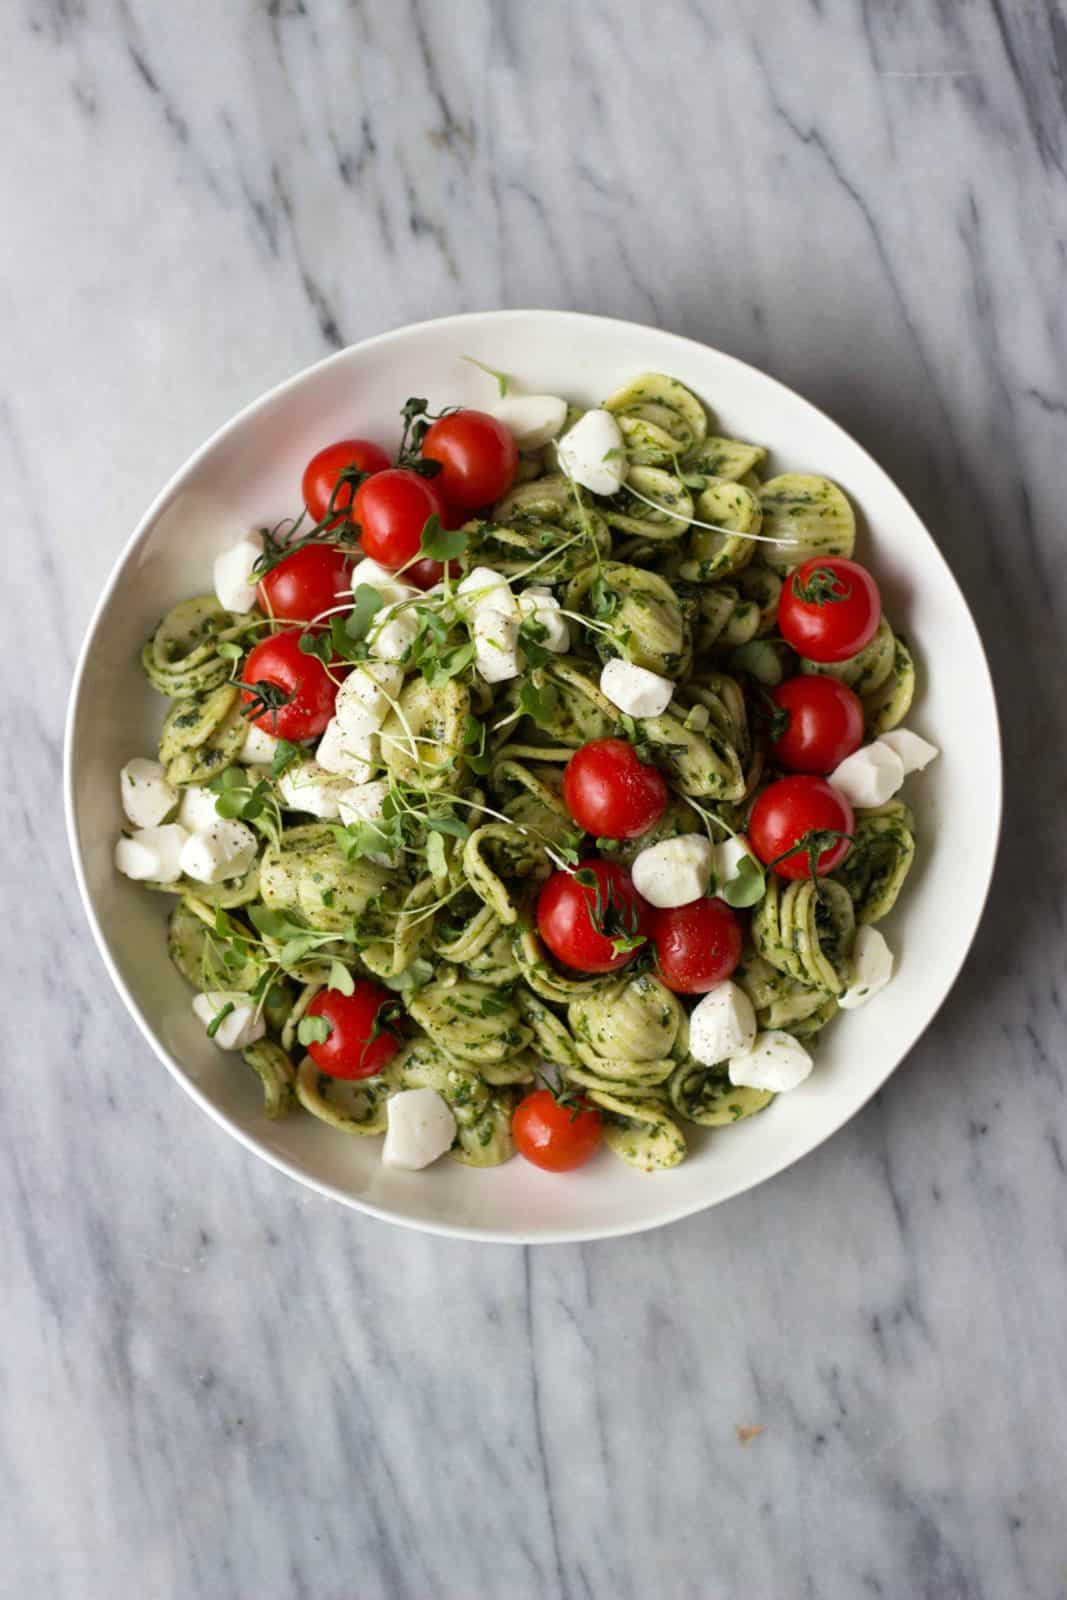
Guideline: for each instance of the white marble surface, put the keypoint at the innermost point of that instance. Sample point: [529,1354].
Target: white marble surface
[213,1385]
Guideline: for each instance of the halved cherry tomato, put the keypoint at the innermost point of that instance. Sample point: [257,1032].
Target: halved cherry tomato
[353,1049]
[311,580]
[478,457]
[790,809]
[823,723]
[554,1136]
[697,945]
[301,682]
[611,793]
[322,472]
[392,508]
[582,923]
[829,608]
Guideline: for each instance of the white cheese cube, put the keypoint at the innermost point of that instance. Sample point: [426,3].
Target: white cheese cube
[533,420]
[153,854]
[722,1024]
[363,703]
[421,1128]
[496,643]
[635,690]
[593,453]
[146,795]
[675,871]
[365,802]
[776,1062]
[870,776]
[915,753]
[336,753]
[239,1027]
[484,586]
[543,607]
[384,579]
[309,787]
[259,747]
[872,968]
[235,584]
[392,633]
[224,850]
[197,809]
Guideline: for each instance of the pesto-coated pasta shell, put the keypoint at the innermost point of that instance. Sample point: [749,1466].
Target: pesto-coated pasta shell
[705,1095]
[712,556]
[646,621]
[667,519]
[349,1106]
[660,418]
[880,859]
[422,737]
[866,671]
[471,1022]
[637,1019]
[726,458]
[812,517]
[886,706]
[277,1075]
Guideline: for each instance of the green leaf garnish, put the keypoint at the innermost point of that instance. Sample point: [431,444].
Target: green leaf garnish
[219,1018]
[340,978]
[441,544]
[314,1030]
[746,887]
[539,701]
[503,379]
[368,601]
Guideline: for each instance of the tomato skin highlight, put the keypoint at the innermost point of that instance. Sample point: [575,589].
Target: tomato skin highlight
[392,509]
[611,793]
[697,945]
[552,1136]
[839,617]
[825,723]
[311,580]
[323,470]
[791,808]
[565,911]
[279,660]
[349,1051]
[478,456]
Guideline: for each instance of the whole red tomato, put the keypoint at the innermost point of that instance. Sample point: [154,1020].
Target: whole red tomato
[392,509]
[787,811]
[322,472]
[554,1136]
[594,919]
[312,580]
[697,945]
[823,723]
[829,609]
[478,457]
[289,694]
[356,1046]
[611,793]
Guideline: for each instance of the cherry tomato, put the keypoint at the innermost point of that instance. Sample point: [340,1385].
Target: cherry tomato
[478,457]
[308,582]
[279,663]
[823,724]
[697,945]
[829,609]
[553,1136]
[789,809]
[611,793]
[424,574]
[322,472]
[392,508]
[351,1049]
[579,922]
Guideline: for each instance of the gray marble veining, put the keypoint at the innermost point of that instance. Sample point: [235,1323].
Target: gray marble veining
[213,1385]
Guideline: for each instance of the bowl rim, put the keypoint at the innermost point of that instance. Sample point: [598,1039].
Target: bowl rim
[556,1235]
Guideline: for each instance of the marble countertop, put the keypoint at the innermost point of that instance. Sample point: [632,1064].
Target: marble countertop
[216,1385]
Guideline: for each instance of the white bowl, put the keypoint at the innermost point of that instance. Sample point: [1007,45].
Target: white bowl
[249,474]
